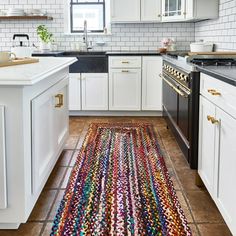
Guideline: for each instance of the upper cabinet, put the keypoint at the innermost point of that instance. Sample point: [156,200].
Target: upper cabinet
[125,10]
[135,10]
[163,10]
[150,10]
[189,10]
[173,10]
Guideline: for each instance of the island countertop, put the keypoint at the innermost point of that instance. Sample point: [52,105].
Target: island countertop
[29,74]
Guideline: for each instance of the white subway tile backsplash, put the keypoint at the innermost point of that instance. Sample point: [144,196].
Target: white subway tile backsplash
[144,36]
[221,31]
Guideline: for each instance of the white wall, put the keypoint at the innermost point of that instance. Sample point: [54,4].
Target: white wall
[221,31]
[124,36]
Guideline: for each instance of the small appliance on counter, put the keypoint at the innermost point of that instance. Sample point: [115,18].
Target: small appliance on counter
[201,46]
[23,49]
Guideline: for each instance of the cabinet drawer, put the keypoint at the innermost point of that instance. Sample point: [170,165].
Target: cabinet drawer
[220,93]
[125,62]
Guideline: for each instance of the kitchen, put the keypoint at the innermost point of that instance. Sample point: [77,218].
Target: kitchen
[118,76]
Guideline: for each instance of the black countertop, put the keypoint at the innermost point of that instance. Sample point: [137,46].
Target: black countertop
[133,53]
[109,53]
[224,73]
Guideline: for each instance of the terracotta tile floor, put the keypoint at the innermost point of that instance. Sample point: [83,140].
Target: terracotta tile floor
[201,212]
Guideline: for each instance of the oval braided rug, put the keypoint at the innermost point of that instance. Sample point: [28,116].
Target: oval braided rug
[120,186]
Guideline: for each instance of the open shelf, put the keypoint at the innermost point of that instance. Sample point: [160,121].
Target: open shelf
[26,18]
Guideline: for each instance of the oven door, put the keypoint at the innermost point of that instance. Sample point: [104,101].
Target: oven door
[183,111]
[170,98]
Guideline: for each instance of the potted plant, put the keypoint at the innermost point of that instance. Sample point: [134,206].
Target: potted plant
[46,38]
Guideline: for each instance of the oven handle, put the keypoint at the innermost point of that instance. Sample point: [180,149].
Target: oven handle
[173,87]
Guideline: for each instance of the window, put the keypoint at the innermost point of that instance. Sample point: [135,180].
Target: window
[93,11]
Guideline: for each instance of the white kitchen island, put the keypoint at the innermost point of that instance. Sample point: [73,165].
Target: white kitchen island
[33,131]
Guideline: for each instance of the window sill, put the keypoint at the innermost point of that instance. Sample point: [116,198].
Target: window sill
[90,34]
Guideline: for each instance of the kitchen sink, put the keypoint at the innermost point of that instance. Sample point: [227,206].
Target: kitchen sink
[88,62]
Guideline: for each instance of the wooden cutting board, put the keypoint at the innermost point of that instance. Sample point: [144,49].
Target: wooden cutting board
[19,61]
[212,53]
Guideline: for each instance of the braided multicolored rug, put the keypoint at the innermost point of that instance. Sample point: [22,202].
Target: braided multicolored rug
[120,186]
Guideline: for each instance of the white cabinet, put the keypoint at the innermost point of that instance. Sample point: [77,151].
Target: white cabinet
[74,92]
[125,89]
[125,10]
[150,10]
[151,83]
[189,10]
[49,131]
[173,10]
[226,168]
[134,83]
[94,91]
[207,144]
[217,150]
[135,10]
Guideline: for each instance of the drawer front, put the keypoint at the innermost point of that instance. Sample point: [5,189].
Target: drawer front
[220,93]
[125,62]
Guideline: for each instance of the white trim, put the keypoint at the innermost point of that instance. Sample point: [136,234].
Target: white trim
[90,34]
[3,175]
[67,26]
[115,113]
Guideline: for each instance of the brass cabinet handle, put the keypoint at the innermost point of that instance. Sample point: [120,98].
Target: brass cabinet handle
[124,71]
[213,120]
[60,100]
[214,92]
[125,62]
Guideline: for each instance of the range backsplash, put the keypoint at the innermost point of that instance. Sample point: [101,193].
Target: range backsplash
[221,31]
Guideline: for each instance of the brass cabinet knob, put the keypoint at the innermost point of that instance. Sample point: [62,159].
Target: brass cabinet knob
[213,120]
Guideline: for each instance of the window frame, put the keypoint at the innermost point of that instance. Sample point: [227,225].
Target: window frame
[87,3]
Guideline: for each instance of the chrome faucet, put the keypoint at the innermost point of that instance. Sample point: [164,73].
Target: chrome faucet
[85,37]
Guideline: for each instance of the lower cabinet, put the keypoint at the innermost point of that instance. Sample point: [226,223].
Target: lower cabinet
[151,83]
[74,92]
[49,130]
[125,89]
[94,91]
[206,156]
[226,167]
[132,84]
[217,151]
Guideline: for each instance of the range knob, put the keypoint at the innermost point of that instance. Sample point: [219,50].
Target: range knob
[186,78]
[178,75]
[182,77]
